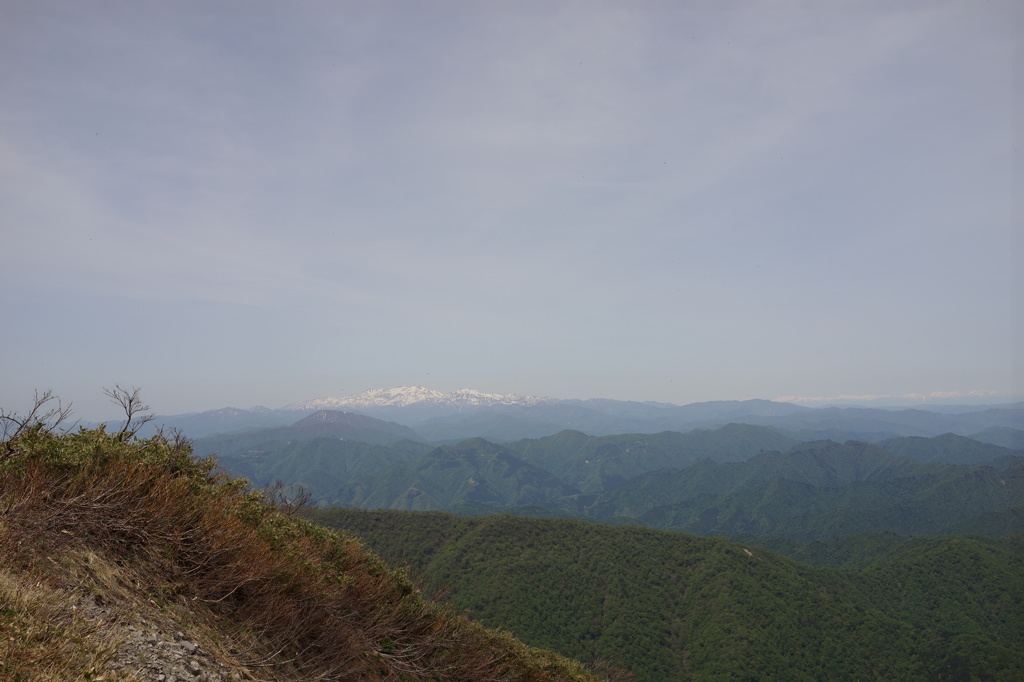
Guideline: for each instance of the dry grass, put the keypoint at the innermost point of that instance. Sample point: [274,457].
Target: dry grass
[290,600]
[43,636]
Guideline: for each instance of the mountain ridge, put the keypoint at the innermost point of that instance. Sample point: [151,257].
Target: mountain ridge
[465,413]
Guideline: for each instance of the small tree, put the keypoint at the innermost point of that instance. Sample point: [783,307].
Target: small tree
[136,412]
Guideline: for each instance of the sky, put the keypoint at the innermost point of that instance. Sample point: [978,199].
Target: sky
[257,203]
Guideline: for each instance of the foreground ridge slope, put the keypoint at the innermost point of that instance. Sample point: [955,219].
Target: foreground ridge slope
[110,544]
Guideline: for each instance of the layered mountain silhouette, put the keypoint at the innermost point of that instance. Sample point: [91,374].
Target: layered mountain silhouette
[469,413]
[735,480]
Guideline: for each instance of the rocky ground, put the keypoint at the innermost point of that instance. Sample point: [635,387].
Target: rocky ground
[153,654]
[152,649]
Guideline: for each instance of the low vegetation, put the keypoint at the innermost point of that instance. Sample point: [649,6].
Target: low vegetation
[138,525]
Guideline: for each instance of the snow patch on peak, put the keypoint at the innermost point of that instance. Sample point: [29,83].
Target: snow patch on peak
[469,396]
[396,397]
[404,396]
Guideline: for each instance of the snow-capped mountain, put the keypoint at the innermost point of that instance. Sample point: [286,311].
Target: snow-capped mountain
[408,396]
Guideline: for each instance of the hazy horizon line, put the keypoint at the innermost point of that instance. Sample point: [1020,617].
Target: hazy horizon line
[943,397]
[973,397]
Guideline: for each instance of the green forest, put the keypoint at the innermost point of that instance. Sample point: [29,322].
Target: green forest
[675,606]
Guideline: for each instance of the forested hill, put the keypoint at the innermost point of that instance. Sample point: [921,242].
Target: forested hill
[673,606]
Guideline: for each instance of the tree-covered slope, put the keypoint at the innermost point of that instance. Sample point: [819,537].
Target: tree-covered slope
[820,464]
[819,491]
[960,584]
[673,606]
[948,448]
[784,508]
[322,466]
[474,472]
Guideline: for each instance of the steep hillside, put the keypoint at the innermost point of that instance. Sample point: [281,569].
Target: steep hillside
[673,606]
[127,559]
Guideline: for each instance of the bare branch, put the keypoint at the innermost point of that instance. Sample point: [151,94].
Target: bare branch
[136,412]
[287,499]
[51,417]
[176,438]
[42,413]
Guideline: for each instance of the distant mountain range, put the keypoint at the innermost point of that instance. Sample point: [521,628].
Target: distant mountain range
[737,468]
[734,480]
[466,413]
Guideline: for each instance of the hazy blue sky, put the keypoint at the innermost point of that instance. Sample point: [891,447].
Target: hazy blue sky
[242,203]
